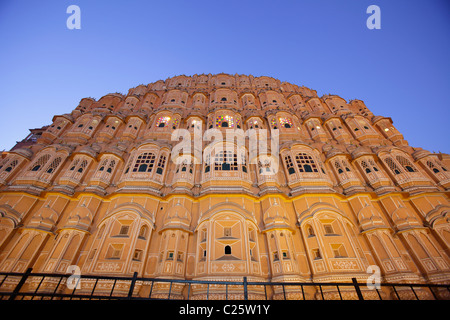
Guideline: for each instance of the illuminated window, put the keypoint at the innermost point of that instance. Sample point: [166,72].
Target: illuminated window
[273,123]
[253,124]
[175,123]
[162,122]
[238,123]
[224,121]
[286,122]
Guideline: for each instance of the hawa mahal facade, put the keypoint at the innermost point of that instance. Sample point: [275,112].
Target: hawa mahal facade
[99,188]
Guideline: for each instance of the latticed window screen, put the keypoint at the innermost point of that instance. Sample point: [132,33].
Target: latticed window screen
[83,166]
[225,160]
[346,165]
[111,166]
[289,164]
[436,166]
[54,165]
[337,165]
[103,165]
[405,163]
[392,166]
[374,166]
[37,166]
[224,121]
[144,162]
[161,164]
[305,163]
[286,122]
[8,164]
[273,123]
[74,164]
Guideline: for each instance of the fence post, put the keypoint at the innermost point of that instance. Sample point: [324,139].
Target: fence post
[20,284]
[358,291]
[245,289]
[133,282]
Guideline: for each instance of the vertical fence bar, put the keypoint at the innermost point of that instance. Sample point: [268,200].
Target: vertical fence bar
[75,288]
[133,282]
[93,289]
[37,289]
[432,292]
[189,290]
[245,289]
[57,286]
[20,284]
[151,289]
[339,291]
[379,295]
[417,298]
[396,293]
[112,289]
[170,290]
[1,283]
[358,290]
[207,292]
[321,292]
[303,293]
[226,291]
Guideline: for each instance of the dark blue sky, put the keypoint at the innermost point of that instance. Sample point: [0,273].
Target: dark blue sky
[401,71]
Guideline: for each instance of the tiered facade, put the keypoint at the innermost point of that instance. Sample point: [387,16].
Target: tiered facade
[101,189]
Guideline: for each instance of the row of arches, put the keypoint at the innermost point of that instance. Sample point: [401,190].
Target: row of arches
[229,240]
[202,101]
[89,128]
[301,166]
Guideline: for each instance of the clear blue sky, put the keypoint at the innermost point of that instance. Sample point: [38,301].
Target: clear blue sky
[401,71]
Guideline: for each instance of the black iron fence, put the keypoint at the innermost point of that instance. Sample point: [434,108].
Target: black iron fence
[49,286]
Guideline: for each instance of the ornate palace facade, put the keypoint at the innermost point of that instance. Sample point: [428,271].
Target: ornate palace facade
[100,189]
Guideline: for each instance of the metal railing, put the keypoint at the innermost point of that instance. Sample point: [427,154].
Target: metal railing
[50,286]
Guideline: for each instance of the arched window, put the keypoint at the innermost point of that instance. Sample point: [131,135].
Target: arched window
[305,163]
[39,163]
[405,163]
[144,162]
[227,250]
[161,164]
[392,165]
[54,165]
[310,231]
[225,121]
[162,121]
[225,161]
[11,165]
[143,232]
[289,164]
